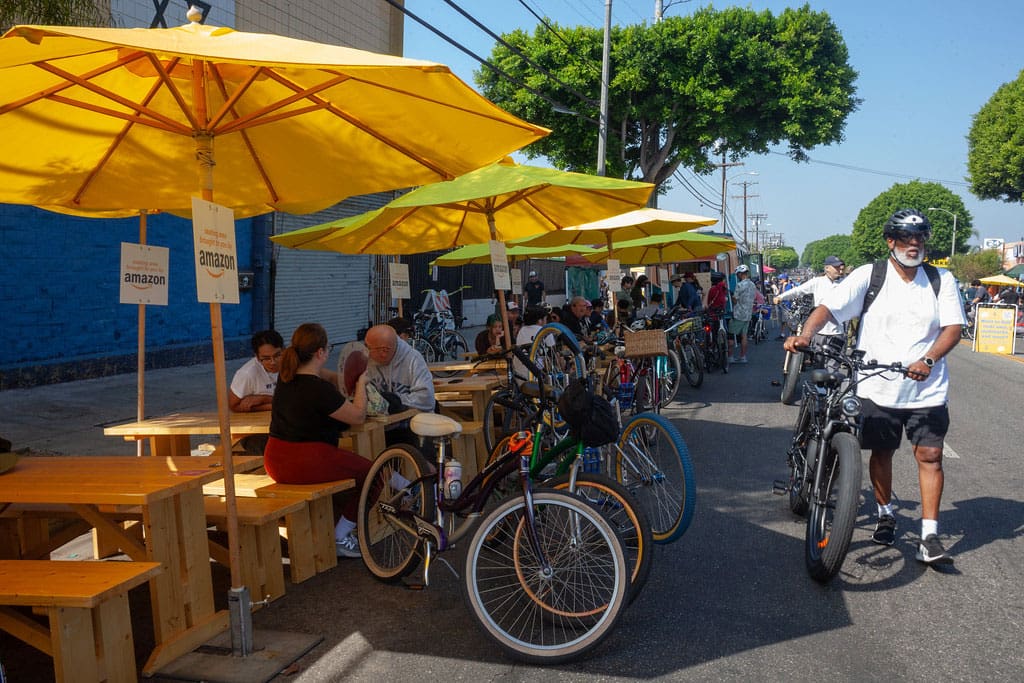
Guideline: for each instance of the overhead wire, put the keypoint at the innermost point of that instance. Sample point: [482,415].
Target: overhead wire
[891,174]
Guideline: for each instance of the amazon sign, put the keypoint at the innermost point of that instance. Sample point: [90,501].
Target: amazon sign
[144,274]
[213,235]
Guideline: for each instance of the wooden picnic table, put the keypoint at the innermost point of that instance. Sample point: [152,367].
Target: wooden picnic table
[469,366]
[456,393]
[168,494]
[170,435]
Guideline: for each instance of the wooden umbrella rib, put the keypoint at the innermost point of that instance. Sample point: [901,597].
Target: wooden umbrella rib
[260,116]
[520,196]
[63,85]
[541,212]
[384,230]
[172,88]
[232,100]
[245,135]
[168,123]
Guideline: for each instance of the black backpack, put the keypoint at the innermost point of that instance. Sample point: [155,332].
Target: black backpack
[591,418]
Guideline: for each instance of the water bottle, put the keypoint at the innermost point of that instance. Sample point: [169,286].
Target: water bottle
[591,460]
[625,395]
[452,488]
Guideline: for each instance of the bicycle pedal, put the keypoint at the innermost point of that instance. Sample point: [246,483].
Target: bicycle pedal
[780,487]
[414,586]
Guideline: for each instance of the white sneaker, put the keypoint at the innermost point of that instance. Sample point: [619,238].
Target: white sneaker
[741,360]
[347,547]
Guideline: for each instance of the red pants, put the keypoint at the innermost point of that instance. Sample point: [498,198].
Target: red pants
[313,462]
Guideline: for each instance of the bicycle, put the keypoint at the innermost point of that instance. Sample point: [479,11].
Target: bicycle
[824,457]
[687,347]
[545,573]
[794,362]
[758,324]
[715,341]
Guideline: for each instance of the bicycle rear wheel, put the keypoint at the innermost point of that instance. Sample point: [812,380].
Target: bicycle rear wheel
[651,460]
[690,363]
[670,374]
[390,549]
[620,508]
[504,414]
[424,348]
[801,449]
[833,508]
[555,350]
[791,375]
[722,342]
[538,616]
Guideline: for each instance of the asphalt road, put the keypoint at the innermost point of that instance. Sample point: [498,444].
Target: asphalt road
[731,601]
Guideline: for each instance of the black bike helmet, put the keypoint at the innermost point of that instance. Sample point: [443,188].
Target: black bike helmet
[907,221]
[716,277]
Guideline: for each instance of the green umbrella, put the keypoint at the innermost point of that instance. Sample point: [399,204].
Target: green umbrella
[683,246]
[481,254]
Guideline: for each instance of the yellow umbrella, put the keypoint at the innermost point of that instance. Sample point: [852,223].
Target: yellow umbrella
[649,251]
[116,121]
[112,120]
[480,254]
[1002,281]
[631,225]
[463,211]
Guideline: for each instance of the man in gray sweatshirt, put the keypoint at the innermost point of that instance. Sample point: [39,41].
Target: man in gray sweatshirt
[396,367]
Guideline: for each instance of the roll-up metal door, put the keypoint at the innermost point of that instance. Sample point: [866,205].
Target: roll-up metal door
[319,286]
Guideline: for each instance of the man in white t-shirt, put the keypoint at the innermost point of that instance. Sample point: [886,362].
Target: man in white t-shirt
[909,323]
[252,387]
[819,287]
[742,311]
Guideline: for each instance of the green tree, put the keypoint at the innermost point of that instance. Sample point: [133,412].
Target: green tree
[995,145]
[867,228]
[833,245]
[976,265]
[53,13]
[783,258]
[750,78]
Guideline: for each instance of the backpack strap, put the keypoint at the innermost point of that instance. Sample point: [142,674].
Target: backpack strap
[878,271]
[933,277]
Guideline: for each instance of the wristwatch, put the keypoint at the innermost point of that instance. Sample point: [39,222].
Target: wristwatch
[930,362]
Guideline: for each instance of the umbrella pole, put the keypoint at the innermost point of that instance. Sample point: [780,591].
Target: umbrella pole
[140,410]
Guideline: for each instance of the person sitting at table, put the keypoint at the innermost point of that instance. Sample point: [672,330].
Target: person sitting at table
[576,317]
[400,374]
[252,387]
[307,418]
[490,339]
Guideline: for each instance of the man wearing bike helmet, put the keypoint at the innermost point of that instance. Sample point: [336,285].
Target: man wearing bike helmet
[909,322]
[819,287]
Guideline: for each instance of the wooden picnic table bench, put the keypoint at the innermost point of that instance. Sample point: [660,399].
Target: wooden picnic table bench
[90,629]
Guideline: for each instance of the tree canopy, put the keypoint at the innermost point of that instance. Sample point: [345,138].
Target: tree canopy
[750,78]
[976,265]
[53,13]
[833,245]
[867,228]
[995,145]
[783,258]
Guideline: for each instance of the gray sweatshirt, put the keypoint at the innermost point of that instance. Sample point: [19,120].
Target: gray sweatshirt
[406,375]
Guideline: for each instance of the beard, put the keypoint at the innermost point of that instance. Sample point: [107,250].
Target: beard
[900,254]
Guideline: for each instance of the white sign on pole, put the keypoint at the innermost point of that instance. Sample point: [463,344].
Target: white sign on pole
[499,265]
[992,242]
[614,276]
[213,236]
[144,270]
[663,276]
[399,275]
[516,275]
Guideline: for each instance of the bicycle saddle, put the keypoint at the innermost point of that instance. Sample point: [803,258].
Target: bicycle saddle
[432,424]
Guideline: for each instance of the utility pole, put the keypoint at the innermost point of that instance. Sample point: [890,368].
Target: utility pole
[757,218]
[724,165]
[745,196]
[602,135]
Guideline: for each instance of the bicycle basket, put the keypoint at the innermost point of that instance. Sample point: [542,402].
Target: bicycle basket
[646,343]
[689,325]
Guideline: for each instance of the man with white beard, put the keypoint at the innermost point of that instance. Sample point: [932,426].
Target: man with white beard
[915,317]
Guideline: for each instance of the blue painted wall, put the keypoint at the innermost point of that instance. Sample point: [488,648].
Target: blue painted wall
[59,292]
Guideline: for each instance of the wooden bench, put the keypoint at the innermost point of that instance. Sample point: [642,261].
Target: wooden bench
[310,530]
[90,629]
[259,540]
[470,449]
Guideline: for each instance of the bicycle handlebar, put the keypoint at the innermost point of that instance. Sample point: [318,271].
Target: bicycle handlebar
[854,360]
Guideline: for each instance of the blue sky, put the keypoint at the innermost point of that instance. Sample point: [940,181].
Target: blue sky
[925,68]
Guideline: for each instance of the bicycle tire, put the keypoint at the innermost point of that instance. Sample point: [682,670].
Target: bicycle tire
[652,461]
[564,348]
[502,404]
[791,376]
[670,378]
[424,348]
[722,341]
[833,509]
[798,469]
[391,551]
[690,363]
[643,387]
[620,509]
[553,619]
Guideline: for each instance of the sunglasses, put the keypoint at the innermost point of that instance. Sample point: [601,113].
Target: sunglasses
[907,236]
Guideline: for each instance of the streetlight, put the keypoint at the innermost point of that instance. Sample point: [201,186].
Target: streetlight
[952,244]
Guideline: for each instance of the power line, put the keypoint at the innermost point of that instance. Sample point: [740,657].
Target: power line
[891,174]
[571,49]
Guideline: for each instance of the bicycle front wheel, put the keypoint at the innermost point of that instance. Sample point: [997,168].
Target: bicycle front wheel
[690,363]
[670,374]
[538,614]
[651,460]
[721,340]
[425,349]
[620,508]
[833,508]
[555,350]
[791,376]
[504,414]
[390,548]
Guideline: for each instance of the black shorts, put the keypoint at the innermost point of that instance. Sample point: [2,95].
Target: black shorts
[882,428]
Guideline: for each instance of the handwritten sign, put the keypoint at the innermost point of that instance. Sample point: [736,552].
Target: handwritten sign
[144,270]
[499,265]
[995,329]
[614,276]
[213,233]
[516,275]
[399,276]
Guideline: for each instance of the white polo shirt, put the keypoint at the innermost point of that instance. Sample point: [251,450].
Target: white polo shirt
[252,378]
[901,325]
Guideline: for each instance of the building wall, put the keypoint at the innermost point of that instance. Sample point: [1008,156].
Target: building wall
[58,288]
